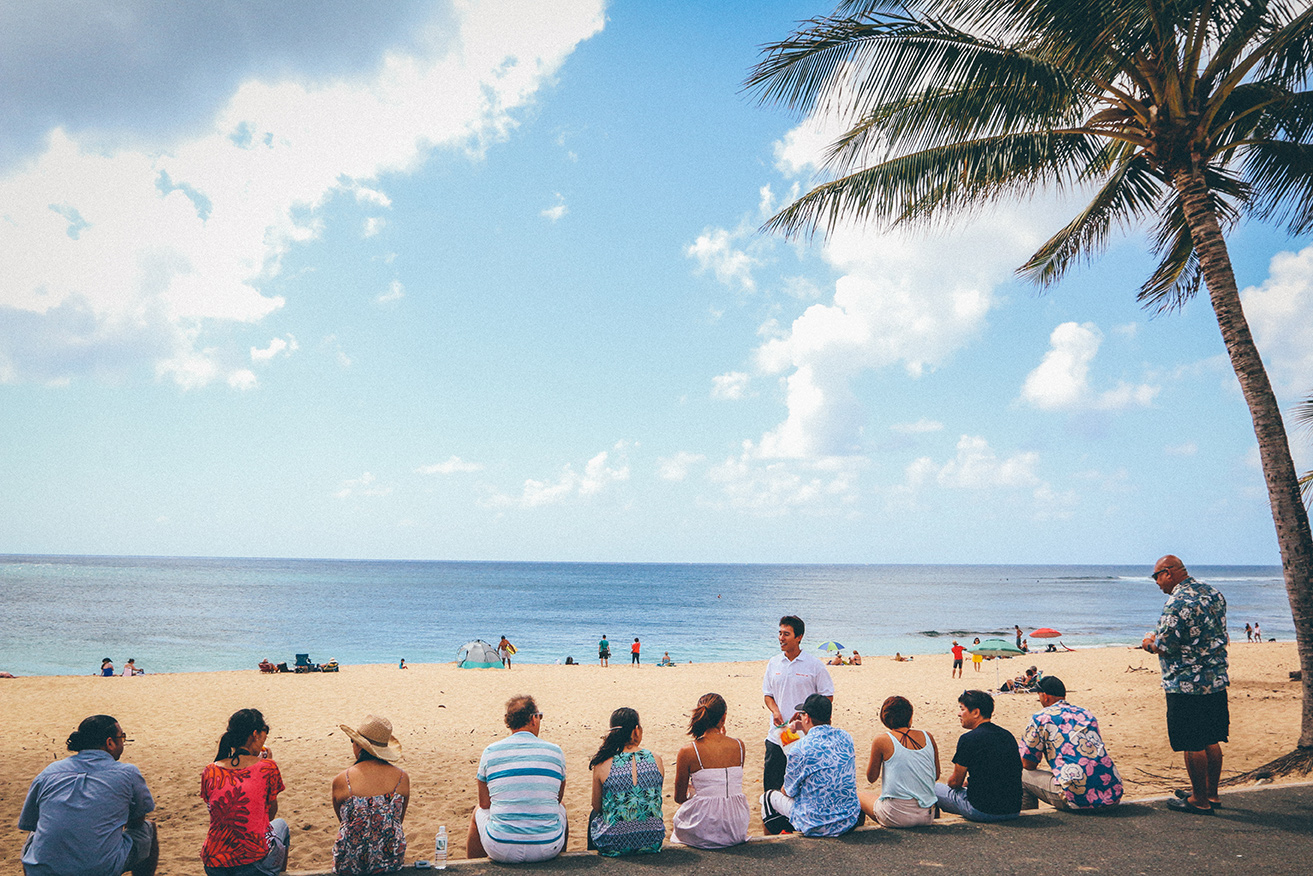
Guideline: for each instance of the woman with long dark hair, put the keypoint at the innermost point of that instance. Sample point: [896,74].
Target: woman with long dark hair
[716,815]
[627,779]
[241,789]
[370,799]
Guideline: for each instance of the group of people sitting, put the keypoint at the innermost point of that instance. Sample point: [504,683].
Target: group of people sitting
[130,668]
[87,813]
[839,660]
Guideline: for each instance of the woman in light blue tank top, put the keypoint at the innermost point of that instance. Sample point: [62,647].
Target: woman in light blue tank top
[910,763]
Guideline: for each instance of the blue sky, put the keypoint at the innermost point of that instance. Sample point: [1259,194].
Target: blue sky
[485,281]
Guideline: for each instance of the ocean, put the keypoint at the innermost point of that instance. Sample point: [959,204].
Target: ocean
[63,614]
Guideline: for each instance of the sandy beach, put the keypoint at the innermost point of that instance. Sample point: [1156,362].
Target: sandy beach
[445,716]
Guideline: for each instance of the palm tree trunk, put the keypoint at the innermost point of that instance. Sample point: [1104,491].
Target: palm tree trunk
[1288,511]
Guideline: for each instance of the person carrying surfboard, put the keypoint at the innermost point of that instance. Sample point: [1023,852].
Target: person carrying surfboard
[505,649]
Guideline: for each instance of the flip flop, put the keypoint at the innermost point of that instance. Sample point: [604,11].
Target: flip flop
[1176,804]
[1184,794]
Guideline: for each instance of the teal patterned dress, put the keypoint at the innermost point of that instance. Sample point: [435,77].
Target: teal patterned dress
[630,822]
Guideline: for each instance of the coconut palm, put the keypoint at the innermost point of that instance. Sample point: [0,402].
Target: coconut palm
[1183,116]
[1304,415]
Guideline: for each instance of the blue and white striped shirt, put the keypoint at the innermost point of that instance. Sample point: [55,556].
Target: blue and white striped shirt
[524,775]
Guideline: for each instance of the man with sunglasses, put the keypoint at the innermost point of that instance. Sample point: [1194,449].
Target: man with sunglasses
[1190,641]
[87,813]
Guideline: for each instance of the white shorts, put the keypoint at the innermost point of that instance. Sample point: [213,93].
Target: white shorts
[518,853]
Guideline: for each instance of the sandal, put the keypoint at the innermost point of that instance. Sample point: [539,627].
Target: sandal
[1183,794]
[1177,804]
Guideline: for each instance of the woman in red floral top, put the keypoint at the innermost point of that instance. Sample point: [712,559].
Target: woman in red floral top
[241,789]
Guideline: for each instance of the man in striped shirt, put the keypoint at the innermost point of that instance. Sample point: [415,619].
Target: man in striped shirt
[521,779]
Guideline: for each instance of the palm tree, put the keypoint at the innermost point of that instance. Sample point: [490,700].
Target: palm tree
[1184,116]
[1304,416]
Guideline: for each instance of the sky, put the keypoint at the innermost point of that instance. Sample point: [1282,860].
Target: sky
[486,281]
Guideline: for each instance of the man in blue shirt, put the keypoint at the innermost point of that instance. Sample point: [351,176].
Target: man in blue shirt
[1190,641]
[820,782]
[87,813]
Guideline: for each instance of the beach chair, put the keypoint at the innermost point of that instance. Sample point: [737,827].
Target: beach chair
[266,666]
[282,667]
[303,664]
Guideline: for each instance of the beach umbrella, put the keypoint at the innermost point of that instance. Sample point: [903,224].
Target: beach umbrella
[1046,633]
[829,646]
[996,648]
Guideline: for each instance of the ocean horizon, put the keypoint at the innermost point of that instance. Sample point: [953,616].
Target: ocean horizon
[181,614]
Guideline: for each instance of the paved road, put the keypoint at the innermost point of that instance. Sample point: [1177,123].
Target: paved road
[1263,831]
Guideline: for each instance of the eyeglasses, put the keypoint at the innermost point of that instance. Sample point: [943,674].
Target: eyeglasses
[538,715]
[1156,575]
[122,737]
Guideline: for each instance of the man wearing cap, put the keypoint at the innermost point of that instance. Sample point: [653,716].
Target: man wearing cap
[1190,641]
[1080,774]
[791,677]
[820,784]
[986,780]
[87,813]
[521,782]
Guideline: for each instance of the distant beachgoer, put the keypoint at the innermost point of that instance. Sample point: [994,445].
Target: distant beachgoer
[791,676]
[402,664]
[857,658]
[266,666]
[1258,632]
[604,651]
[715,815]
[665,660]
[819,797]
[1249,632]
[371,809]
[633,652]
[957,659]
[1078,772]
[7,675]
[87,813]
[910,762]
[1190,641]
[1019,634]
[130,669]
[107,668]
[504,650]
[986,780]
[521,781]
[1024,682]
[241,790]
[627,780]
[977,659]
[836,660]
[899,658]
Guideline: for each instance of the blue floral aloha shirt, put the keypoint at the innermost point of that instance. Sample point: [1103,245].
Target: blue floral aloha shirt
[1191,639]
[822,780]
[1067,738]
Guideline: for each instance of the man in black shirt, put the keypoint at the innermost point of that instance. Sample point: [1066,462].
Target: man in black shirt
[986,780]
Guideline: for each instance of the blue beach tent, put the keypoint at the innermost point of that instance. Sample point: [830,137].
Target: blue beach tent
[478,655]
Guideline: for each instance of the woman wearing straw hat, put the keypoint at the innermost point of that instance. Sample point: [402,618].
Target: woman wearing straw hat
[370,799]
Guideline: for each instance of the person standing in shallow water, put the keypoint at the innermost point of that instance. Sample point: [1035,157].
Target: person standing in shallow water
[604,651]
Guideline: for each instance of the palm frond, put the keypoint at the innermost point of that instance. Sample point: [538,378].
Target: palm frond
[1130,191]
[1179,273]
[1279,174]
[931,186]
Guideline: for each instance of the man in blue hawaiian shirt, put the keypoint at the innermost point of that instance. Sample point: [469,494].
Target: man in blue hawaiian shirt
[1190,642]
[1079,773]
[820,781]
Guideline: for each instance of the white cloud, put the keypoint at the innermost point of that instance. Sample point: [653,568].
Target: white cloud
[395,292]
[242,379]
[715,251]
[732,385]
[556,211]
[168,240]
[801,288]
[453,465]
[920,427]
[373,225]
[778,487]
[287,346]
[676,468]
[1061,381]
[365,485]
[802,150]
[598,473]
[977,466]
[1280,313]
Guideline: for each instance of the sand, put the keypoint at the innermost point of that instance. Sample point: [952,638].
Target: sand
[445,716]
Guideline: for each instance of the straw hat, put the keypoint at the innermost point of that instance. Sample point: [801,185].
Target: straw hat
[375,736]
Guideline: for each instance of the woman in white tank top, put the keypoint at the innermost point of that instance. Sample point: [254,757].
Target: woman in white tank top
[910,762]
[716,814]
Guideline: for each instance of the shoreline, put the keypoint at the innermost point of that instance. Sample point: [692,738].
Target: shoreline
[445,716]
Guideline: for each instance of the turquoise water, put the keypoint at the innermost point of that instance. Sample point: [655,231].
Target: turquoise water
[63,614]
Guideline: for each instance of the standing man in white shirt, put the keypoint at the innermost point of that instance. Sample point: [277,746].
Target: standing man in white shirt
[791,677]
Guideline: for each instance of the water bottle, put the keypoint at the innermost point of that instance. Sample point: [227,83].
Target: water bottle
[440,849]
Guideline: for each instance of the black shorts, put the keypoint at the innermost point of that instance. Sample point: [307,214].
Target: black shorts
[1196,721]
[957,664]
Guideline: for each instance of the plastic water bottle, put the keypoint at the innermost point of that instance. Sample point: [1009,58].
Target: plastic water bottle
[440,849]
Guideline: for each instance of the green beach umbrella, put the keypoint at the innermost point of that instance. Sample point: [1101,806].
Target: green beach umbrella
[996,648]
[829,646]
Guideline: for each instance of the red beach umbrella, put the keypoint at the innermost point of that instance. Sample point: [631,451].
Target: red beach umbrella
[1046,633]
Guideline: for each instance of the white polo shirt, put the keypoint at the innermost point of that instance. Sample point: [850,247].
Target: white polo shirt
[789,682]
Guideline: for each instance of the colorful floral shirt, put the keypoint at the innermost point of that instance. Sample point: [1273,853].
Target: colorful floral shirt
[239,812]
[1066,737]
[1191,639]
[822,780]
